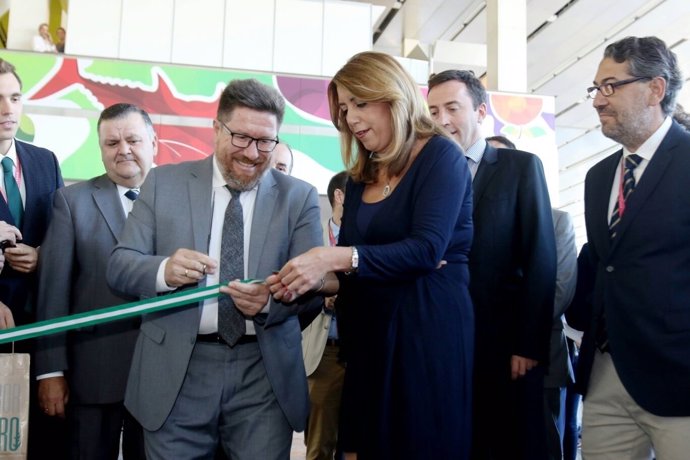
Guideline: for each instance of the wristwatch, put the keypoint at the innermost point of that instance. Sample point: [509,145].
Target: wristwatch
[354,264]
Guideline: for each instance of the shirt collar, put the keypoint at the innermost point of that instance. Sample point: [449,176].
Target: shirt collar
[12,153]
[476,150]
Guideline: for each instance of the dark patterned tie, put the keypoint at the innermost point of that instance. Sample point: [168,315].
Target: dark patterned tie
[14,198]
[631,162]
[231,324]
[132,194]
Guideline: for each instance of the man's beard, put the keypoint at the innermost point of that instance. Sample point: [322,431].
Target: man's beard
[243,185]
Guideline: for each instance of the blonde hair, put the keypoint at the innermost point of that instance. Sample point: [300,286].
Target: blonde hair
[377,77]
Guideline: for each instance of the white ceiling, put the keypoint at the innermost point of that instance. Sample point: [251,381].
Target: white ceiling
[562,57]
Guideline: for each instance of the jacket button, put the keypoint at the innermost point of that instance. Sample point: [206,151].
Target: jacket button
[610,268]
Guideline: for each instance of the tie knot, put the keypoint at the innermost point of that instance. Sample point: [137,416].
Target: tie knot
[235,193]
[132,194]
[632,161]
[7,164]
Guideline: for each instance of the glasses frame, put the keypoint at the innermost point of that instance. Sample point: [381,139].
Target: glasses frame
[609,89]
[238,144]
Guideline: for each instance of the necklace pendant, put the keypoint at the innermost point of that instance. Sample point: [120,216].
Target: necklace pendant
[386,190]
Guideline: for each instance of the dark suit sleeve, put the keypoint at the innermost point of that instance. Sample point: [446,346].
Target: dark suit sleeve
[444,185]
[55,269]
[537,248]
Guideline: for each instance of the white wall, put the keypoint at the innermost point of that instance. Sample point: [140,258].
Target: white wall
[310,37]
[25,17]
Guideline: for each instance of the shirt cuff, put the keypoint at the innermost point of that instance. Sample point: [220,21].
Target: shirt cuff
[161,285]
[50,375]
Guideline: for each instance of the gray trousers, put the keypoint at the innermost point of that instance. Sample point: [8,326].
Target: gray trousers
[226,400]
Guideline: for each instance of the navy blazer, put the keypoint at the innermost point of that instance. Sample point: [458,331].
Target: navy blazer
[643,278]
[41,175]
[513,258]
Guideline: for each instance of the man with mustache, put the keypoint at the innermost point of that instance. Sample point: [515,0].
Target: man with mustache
[228,371]
[634,365]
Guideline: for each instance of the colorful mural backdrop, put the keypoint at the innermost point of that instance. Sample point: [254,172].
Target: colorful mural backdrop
[63,97]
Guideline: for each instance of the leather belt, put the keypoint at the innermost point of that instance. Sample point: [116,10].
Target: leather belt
[215,338]
[332,343]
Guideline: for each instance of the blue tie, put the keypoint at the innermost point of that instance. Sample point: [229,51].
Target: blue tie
[231,323]
[132,194]
[14,198]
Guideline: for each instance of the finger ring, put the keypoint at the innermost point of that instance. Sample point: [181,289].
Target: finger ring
[203,268]
[186,273]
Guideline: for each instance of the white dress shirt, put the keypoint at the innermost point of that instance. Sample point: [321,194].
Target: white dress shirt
[18,176]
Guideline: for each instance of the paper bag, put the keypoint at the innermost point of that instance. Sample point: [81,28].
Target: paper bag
[14,405]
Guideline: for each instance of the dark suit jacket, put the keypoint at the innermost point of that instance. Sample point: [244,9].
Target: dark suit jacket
[643,278]
[87,218]
[41,175]
[513,259]
[174,211]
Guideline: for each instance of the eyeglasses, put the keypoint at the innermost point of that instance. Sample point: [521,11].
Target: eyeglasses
[243,141]
[607,89]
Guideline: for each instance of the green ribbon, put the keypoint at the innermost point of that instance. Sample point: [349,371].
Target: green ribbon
[106,315]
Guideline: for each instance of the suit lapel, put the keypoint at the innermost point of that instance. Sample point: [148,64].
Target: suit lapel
[600,204]
[199,187]
[30,186]
[266,196]
[485,172]
[108,202]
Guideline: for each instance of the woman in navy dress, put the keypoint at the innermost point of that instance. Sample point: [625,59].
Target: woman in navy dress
[406,320]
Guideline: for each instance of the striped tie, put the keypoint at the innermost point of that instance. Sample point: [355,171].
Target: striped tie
[631,162]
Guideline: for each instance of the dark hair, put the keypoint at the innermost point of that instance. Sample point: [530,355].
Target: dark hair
[503,140]
[337,182]
[682,117]
[252,94]
[649,57]
[7,67]
[474,86]
[121,110]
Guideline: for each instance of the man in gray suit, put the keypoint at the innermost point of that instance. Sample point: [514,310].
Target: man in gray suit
[191,387]
[82,374]
[560,372]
